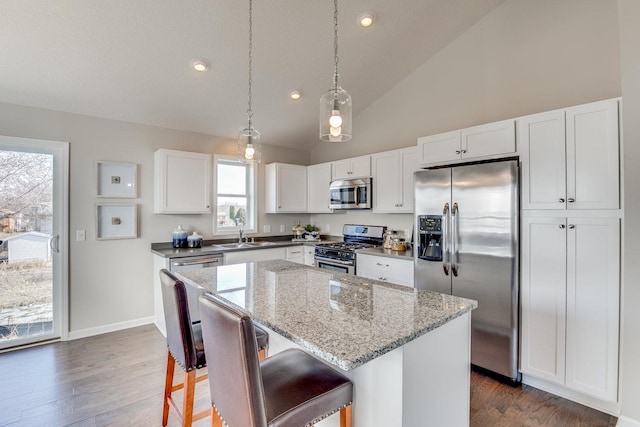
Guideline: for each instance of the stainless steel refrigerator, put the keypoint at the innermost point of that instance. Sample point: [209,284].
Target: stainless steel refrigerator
[466,222]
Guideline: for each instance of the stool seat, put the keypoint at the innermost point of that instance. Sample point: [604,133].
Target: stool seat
[308,388]
[289,389]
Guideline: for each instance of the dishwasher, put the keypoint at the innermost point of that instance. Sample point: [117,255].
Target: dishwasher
[192,263]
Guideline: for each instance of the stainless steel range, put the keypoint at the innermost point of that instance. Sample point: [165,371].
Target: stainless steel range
[341,256]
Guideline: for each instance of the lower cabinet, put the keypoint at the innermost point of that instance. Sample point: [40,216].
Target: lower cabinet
[570,302]
[387,269]
[300,254]
[254,255]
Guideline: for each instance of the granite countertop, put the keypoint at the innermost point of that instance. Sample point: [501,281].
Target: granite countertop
[166,250]
[345,320]
[380,251]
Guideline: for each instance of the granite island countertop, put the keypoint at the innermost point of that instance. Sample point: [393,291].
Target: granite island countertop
[343,319]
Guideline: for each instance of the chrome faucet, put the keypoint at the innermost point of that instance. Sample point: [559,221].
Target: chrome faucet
[241,231]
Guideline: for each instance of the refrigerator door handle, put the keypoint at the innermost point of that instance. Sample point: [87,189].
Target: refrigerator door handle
[445,239]
[454,239]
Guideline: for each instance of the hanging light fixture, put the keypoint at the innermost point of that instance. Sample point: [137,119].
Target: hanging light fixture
[335,105]
[249,147]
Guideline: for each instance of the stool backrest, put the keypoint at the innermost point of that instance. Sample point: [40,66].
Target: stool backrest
[178,321]
[234,370]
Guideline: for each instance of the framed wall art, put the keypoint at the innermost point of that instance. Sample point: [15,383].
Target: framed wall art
[116,179]
[116,221]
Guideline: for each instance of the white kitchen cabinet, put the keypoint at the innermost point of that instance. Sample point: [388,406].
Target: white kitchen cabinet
[318,180]
[387,269]
[301,254]
[392,173]
[253,255]
[570,158]
[285,188]
[355,167]
[182,182]
[478,142]
[570,303]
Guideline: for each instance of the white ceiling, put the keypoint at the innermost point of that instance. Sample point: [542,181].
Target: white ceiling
[129,59]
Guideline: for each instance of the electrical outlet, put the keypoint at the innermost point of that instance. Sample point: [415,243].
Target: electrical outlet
[282,228]
[81,235]
[327,228]
[266,228]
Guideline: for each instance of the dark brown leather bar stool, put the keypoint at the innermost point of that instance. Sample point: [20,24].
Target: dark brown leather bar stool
[289,389]
[184,342]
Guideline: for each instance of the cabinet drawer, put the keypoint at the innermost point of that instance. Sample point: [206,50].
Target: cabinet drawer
[386,269]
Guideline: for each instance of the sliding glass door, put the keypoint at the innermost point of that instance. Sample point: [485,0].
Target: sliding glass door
[33,241]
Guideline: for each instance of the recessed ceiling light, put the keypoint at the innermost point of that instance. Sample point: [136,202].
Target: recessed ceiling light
[365,20]
[295,95]
[199,65]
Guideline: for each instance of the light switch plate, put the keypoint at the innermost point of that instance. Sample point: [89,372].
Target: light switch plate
[81,235]
[266,228]
[282,228]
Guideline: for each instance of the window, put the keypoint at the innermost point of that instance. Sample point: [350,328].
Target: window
[235,195]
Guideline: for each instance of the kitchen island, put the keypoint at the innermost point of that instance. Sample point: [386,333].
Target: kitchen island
[407,351]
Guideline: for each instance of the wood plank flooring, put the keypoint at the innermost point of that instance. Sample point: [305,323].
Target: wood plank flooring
[117,379]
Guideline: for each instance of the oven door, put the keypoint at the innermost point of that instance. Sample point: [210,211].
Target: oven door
[346,267]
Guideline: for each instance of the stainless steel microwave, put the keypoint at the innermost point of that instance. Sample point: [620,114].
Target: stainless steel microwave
[350,193]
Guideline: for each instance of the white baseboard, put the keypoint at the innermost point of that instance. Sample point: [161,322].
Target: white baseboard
[627,422]
[611,408]
[89,332]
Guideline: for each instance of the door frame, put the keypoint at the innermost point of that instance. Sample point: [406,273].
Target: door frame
[60,152]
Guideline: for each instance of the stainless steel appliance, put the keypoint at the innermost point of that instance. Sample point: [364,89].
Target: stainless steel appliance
[466,222]
[350,193]
[341,256]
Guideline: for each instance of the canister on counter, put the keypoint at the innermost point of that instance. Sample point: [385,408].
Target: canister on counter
[179,237]
[194,240]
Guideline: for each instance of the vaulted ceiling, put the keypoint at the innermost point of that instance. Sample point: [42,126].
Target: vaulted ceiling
[130,60]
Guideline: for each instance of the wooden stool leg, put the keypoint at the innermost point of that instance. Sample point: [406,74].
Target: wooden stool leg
[346,417]
[262,354]
[189,395]
[216,421]
[168,385]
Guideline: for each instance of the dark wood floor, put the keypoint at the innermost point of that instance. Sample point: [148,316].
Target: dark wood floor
[117,379]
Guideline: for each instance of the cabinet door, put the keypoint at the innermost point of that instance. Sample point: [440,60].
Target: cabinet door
[368,266]
[295,254]
[387,182]
[491,139]
[408,165]
[541,139]
[441,148]
[318,180]
[593,266]
[361,167]
[182,182]
[593,156]
[292,188]
[341,169]
[543,298]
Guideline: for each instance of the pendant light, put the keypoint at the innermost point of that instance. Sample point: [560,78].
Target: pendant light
[249,147]
[335,105]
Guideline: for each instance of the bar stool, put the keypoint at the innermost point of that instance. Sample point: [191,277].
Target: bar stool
[185,346]
[289,389]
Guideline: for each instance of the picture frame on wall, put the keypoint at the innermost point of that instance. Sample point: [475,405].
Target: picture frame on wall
[116,179]
[116,221]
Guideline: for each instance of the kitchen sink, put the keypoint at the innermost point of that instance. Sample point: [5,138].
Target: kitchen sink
[245,245]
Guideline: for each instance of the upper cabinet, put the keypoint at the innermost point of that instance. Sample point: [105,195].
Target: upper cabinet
[478,142]
[393,180]
[285,188]
[318,180]
[570,158]
[356,167]
[182,182]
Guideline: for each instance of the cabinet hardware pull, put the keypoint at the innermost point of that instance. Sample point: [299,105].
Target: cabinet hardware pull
[457,151]
[562,226]
[464,151]
[572,226]
[571,200]
[561,200]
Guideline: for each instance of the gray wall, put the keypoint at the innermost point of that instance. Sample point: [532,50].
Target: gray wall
[111,281]
[630,60]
